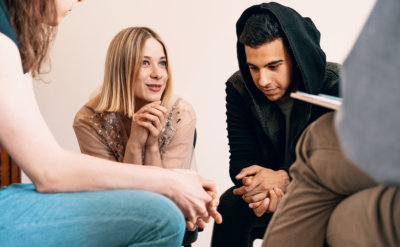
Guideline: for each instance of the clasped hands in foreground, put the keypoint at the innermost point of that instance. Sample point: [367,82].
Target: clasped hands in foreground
[196,212]
[262,188]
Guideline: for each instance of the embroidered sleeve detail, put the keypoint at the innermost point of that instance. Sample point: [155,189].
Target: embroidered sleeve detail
[173,118]
[110,128]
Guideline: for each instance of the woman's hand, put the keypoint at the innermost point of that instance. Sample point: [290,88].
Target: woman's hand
[142,134]
[209,186]
[147,124]
[194,213]
[152,118]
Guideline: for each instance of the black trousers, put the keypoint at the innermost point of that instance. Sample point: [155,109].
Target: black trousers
[240,226]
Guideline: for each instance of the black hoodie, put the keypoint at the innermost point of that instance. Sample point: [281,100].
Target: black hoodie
[256,126]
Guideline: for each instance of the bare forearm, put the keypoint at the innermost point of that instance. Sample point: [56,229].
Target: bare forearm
[152,156]
[24,134]
[75,172]
[133,154]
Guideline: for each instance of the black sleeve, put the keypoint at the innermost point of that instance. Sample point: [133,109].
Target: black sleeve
[332,79]
[331,87]
[243,145]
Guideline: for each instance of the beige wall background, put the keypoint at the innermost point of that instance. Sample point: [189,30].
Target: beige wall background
[200,37]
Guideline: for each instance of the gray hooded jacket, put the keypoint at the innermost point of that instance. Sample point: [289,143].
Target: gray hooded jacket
[368,122]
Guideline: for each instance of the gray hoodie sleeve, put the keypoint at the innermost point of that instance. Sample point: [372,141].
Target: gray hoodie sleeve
[368,124]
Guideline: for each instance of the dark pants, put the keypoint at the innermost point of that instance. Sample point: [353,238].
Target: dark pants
[332,200]
[240,226]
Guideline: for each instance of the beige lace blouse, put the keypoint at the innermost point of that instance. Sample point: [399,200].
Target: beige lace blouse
[105,135]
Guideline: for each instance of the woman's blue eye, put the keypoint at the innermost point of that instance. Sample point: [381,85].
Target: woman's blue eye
[145,62]
[163,63]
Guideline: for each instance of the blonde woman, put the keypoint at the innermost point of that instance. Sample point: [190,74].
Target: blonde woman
[108,203]
[135,118]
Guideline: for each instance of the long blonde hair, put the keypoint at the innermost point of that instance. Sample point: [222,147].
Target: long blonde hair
[123,61]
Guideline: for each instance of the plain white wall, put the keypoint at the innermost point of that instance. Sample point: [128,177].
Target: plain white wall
[200,37]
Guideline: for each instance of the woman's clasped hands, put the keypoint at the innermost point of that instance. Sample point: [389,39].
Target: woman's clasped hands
[147,124]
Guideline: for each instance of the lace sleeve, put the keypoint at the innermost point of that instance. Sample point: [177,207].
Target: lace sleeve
[100,135]
[176,142]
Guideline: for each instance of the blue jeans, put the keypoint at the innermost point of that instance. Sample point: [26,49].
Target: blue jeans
[106,218]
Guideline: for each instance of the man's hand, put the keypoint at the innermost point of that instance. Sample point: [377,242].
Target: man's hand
[259,180]
[258,188]
[269,204]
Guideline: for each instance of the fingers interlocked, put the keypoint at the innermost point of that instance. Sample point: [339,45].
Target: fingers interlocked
[152,117]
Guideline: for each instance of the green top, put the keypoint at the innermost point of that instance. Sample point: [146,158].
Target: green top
[5,26]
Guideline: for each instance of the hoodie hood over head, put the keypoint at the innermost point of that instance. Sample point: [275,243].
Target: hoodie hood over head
[303,38]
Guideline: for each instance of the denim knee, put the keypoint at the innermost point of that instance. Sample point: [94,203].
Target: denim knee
[110,218]
[166,222]
[169,218]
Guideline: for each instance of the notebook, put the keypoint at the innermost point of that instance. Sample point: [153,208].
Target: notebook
[324,100]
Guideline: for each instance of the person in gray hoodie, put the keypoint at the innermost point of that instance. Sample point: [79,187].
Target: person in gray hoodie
[278,52]
[345,187]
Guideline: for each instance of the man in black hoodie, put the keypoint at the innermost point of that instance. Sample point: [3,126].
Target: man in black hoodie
[345,188]
[278,52]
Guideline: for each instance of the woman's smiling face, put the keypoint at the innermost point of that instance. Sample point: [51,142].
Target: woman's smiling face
[152,77]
